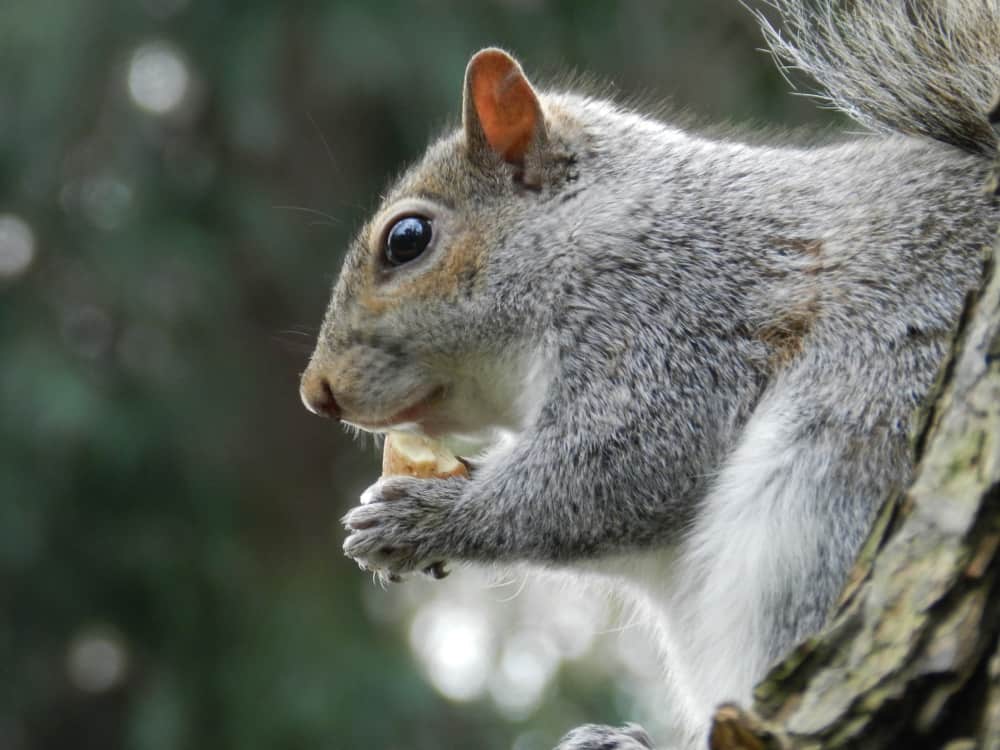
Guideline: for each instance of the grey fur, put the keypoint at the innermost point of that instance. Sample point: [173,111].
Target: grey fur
[926,67]
[595,737]
[668,298]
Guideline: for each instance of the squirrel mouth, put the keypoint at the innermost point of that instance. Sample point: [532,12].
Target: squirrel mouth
[411,413]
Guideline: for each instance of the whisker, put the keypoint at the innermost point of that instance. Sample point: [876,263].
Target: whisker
[326,144]
[303,331]
[315,211]
[293,347]
[512,597]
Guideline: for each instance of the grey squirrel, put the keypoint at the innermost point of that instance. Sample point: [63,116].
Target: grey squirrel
[691,365]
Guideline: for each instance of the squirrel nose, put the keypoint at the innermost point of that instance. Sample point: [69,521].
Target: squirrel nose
[317,396]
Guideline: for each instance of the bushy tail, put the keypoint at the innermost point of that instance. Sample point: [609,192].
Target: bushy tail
[924,67]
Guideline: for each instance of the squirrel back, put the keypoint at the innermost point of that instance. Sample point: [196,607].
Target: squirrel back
[693,363]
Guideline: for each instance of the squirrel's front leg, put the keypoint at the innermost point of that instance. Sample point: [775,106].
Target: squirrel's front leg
[556,496]
[403,525]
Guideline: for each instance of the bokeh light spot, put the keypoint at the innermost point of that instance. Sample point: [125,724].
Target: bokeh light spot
[17,246]
[97,661]
[454,645]
[158,78]
[529,661]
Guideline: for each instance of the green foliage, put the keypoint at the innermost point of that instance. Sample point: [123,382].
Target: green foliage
[161,488]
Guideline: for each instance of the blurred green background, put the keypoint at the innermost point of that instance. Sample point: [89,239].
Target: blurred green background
[178,179]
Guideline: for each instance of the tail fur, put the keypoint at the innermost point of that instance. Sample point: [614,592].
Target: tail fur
[923,67]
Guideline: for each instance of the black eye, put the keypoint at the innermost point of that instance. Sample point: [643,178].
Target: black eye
[407,239]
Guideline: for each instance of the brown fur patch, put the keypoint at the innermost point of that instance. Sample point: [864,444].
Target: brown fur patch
[785,335]
[464,260]
[430,184]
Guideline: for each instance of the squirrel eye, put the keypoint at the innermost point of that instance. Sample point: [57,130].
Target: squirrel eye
[407,239]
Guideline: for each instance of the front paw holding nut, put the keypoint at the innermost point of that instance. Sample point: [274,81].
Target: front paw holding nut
[402,526]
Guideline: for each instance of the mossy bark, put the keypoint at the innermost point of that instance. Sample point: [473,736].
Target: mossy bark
[911,659]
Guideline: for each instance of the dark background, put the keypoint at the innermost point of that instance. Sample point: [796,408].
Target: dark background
[170,565]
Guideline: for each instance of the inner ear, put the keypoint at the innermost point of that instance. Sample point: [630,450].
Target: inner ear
[501,110]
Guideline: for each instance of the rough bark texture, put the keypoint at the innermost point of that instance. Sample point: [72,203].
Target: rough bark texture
[911,659]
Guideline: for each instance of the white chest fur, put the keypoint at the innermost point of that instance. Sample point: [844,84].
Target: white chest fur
[713,600]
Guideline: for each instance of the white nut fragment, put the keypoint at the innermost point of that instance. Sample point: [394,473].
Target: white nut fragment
[416,456]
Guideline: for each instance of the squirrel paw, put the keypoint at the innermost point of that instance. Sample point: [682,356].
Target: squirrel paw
[596,737]
[397,528]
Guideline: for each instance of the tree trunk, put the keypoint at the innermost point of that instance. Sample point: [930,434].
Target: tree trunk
[911,658]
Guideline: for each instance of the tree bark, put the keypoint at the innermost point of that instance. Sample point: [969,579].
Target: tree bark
[911,658]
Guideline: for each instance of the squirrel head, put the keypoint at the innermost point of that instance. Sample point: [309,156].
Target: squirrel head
[429,325]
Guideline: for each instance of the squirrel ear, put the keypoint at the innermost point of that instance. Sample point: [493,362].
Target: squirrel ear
[501,111]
